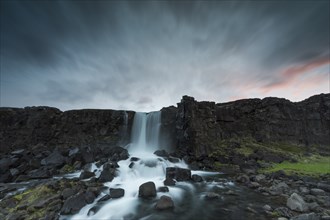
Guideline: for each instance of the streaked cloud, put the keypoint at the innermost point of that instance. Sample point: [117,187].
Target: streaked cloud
[143,56]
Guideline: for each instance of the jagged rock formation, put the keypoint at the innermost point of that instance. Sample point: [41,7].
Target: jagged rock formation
[191,129]
[200,124]
[45,127]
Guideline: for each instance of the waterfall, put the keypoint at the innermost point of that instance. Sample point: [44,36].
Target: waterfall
[142,166]
[145,132]
[124,131]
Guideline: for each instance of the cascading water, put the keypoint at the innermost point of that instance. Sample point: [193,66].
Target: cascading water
[145,132]
[143,166]
[134,172]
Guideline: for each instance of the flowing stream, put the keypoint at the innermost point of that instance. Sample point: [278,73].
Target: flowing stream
[189,198]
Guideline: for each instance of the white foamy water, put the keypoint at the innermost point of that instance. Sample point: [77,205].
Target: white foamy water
[149,167]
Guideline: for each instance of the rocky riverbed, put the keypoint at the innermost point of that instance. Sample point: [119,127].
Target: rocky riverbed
[48,191]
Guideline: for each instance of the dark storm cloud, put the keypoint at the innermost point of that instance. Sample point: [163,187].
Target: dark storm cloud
[144,55]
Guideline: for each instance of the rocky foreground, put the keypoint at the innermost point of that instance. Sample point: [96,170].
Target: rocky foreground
[243,139]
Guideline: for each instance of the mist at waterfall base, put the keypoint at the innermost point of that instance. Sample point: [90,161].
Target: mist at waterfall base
[188,197]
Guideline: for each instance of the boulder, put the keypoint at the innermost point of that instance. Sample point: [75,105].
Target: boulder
[260,177]
[279,188]
[147,190]
[54,159]
[74,203]
[134,159]
[267,208]
[317,192]
[116,193]
[163,189]
[108,172]
[105,198]
[161,153]
[179,174]
[212,196]
[165,202]
[68,192]
[306,216]
[169,182]
[196,178]
[283,211]
[297,203]
[86,175]
[243,179]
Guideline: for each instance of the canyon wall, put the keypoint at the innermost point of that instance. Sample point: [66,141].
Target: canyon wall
[190,129]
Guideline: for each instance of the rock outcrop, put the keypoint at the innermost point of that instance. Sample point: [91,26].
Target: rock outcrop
[199,125]
[45,127]
[191,129]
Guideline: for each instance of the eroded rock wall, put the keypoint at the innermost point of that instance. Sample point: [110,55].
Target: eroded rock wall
[35,127]
[200,124]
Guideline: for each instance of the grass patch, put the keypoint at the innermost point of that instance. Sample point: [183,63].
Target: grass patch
[248,145]
[309,166]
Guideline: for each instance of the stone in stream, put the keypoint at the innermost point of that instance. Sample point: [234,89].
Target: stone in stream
[54,159]
[169,182]
[197,178]
[165,202]
[116,193]
[163,189]
[212,196]
[105,198]
[134,159]
[73,204]
[297,203]
[86,175]
[147,190]
[179,174]
[109,172]
[161,153]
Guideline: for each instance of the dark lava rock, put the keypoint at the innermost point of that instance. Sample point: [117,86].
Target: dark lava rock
[243,179]
[110,165]
[54,159]
[163,189]
[105,198]
[161,153]
[108,172]
[179,174]
[116,193]
[169,182]
[134,159]
[165,202]
[174,160]
[131,165]
[147,190]
[283,211]
[306,216]
[297,203]
[68,192]
[86,175]
[197,178]
[212,196]
[73,204]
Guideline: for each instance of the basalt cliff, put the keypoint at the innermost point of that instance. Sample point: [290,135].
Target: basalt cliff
[191,129]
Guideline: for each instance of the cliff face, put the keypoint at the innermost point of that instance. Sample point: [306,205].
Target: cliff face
[38,127]
[190,129]
[200,124]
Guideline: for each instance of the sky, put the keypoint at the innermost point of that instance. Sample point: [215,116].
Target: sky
[146,55]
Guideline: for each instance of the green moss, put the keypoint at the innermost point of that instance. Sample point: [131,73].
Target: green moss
[247,145]
[67,169]
[311,166]
[31,196]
